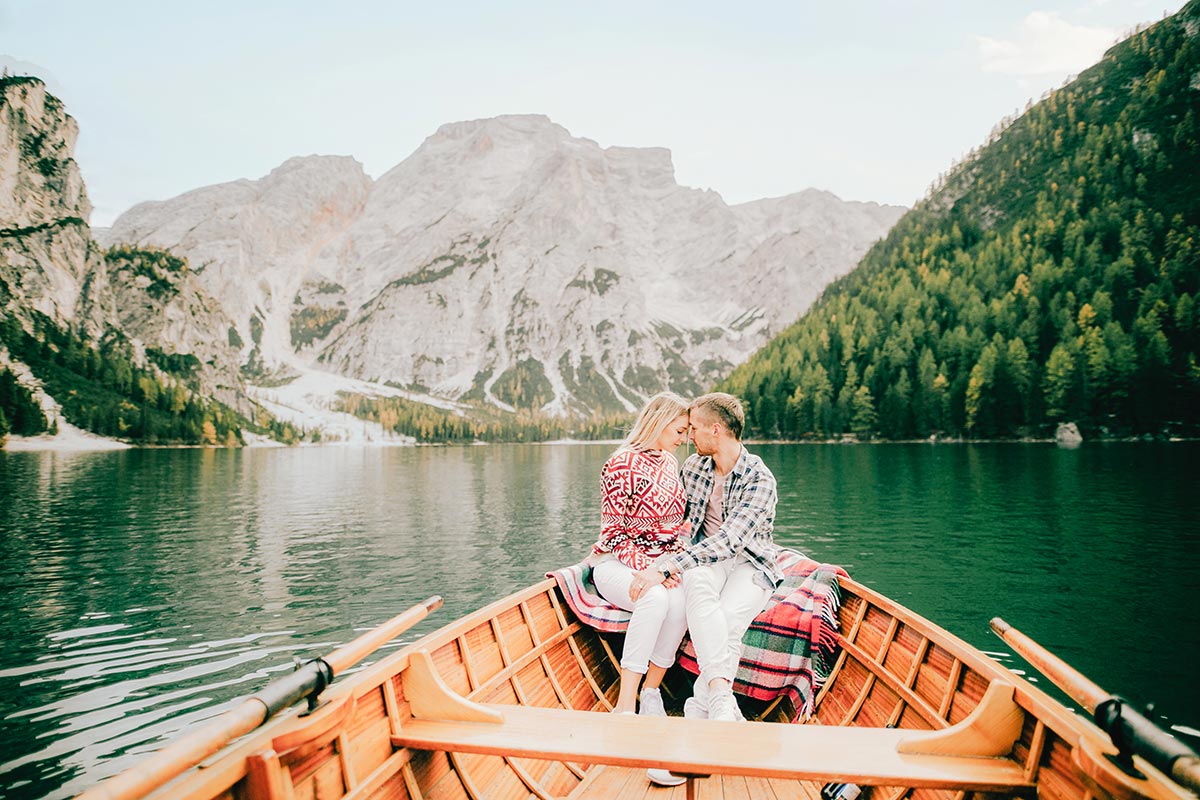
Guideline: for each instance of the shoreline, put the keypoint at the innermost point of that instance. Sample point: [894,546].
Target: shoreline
[79,441]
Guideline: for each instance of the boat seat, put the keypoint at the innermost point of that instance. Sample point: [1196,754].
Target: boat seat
[970,756]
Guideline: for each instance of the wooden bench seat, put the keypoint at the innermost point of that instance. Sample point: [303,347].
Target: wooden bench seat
[969,756]
[866,756]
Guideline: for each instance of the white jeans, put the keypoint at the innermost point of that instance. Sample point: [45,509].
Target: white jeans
[722,600]
[659,619]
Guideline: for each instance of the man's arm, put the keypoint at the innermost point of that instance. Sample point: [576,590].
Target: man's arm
[755,506]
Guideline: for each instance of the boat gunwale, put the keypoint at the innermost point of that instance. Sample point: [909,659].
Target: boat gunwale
[224,769]
[1070,726]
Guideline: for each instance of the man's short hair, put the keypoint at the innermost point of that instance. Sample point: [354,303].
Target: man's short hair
[724,408]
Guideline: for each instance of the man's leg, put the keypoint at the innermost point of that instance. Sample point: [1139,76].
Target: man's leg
[741,601]
[706,621]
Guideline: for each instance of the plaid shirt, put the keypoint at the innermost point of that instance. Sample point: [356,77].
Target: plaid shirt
[747,514]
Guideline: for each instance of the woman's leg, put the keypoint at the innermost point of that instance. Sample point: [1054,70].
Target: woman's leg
[674,626]
[612,579]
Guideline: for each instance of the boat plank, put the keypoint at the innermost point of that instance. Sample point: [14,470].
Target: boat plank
[516,635]
[386,781]
[605,783]
[327,780]
[450,665]
[704,747]
[497,781]
[933,677]
[483,654]
[733,787]
[368,748]
[535,687]
[430,769]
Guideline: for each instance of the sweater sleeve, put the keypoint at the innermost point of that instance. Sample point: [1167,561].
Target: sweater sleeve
[616,490]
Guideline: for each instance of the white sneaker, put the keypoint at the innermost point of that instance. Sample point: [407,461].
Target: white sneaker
[724,706]
[652,704]
[662,777]
[694,709]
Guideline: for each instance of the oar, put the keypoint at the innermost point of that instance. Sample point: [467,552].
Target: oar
[1130,730]
[253,711]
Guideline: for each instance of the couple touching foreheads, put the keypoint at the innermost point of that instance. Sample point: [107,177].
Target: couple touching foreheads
[685,549]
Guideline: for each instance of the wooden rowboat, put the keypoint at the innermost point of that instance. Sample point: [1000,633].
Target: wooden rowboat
[503,704]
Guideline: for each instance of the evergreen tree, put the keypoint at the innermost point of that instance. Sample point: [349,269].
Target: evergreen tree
[1050,276]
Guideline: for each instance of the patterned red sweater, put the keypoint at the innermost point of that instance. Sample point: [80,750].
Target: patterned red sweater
[642,507]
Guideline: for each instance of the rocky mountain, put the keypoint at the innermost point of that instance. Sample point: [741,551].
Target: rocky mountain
[46,249]
[58,287]
[505,261]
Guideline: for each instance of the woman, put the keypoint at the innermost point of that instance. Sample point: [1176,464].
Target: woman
[641,518]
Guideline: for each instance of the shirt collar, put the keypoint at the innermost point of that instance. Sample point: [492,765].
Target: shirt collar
[740,467]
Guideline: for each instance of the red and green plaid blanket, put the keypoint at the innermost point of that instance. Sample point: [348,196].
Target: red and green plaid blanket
[789,648]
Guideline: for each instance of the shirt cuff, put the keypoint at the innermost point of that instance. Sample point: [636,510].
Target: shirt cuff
[676,563]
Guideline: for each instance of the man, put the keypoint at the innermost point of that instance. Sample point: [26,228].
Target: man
[729,571]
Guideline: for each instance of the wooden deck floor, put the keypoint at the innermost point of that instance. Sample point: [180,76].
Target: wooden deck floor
[628,783]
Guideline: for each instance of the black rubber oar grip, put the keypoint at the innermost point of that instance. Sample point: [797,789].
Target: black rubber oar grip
[1132,732]
[311,678]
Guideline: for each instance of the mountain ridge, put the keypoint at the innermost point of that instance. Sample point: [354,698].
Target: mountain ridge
[505,251]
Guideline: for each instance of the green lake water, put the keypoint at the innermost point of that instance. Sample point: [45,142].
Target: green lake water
[141,591]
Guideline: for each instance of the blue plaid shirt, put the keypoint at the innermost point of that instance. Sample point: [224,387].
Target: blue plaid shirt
[747,514]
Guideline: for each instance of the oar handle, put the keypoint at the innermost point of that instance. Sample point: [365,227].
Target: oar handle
[1061,674]
[351,653]
[1130,730]
[253,711]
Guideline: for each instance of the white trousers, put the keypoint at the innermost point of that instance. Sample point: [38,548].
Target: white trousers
[659,618]
[722,600]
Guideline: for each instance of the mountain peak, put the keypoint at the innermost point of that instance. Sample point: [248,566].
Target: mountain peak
[510,262]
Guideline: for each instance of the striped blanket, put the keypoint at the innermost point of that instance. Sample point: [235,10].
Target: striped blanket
[789,648]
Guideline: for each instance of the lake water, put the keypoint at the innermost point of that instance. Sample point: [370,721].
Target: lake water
[141,591]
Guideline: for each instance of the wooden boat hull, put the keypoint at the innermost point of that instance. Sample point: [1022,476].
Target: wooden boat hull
[376,733]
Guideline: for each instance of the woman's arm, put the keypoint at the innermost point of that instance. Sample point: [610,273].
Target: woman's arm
[616,492]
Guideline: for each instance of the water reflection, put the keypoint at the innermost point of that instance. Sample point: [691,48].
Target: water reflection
[144,590]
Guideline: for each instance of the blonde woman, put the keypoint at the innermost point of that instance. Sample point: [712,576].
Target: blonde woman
[642,517]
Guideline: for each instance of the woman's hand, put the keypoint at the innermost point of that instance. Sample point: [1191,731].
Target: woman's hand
[643,580]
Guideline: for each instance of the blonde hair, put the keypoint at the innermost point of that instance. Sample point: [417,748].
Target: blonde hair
[724,409]
[659,411]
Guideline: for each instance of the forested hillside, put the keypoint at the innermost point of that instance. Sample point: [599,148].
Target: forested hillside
[104,388]
[1051,276]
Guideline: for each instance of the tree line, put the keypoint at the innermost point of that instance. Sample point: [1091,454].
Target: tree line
[428,423]
[103,388]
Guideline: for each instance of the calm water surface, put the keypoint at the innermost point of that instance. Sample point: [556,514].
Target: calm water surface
[141,591]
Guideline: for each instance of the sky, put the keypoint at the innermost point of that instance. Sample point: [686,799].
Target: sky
[869,100]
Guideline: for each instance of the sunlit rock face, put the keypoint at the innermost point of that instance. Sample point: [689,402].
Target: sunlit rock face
[506,261]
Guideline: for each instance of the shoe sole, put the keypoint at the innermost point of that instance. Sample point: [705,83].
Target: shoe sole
[672,780]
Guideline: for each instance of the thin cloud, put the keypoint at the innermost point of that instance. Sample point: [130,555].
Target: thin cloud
[1045,44]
